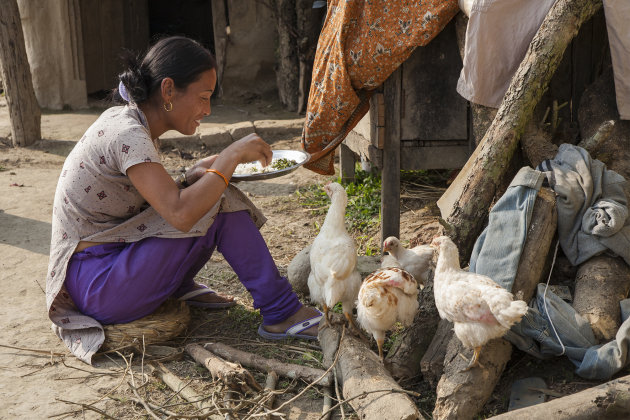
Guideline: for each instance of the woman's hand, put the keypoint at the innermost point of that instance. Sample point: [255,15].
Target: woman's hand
[251,148]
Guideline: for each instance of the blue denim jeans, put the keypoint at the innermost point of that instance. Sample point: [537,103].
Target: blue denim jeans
[497,250]
[571,335]
[551,326]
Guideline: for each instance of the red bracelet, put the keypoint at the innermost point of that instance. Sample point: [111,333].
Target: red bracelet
[214,171]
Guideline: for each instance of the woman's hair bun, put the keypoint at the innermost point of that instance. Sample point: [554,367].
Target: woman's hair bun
[134,81]
[179,58]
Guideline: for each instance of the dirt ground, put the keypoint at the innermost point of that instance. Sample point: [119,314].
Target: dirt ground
[38,377]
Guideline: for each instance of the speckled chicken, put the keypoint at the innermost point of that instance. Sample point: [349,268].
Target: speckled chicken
[418,260]
[386,296]
[333,277]
[479,308]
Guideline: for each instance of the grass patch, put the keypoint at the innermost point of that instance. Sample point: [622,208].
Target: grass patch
[364,201]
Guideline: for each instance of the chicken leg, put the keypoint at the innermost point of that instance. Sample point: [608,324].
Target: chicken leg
[379,343]
[326,322]
[353,326]
[474,360]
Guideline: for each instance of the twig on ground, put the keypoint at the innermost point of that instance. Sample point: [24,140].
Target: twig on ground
[337,393]
[46,352]
[309,386]
[85,407]
[327,402]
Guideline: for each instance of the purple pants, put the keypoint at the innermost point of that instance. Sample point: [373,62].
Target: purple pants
[121,282]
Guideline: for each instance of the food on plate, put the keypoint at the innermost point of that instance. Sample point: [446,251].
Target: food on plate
[277,164]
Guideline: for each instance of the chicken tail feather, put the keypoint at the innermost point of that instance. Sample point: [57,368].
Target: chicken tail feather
[512,314]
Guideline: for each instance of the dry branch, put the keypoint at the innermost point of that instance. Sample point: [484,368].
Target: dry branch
[187,393]
[231,374]
[607,401]
[361,372]
[258,362]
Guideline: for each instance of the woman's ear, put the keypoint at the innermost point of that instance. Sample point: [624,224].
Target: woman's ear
[167,88]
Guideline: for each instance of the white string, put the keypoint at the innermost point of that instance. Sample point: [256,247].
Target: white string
[553,262]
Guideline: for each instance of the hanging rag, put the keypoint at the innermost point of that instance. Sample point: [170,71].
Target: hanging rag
[360,45]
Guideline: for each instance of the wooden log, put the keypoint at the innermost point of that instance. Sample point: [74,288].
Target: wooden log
[607,401]
[461,395]
[532,268]
[182,389]
[261,363]
[15,72]
[468,199]
[363,378]
[404,359]
[231,374]
[601,283]
[432,363]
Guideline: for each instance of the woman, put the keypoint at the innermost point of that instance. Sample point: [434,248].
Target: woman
[126,236]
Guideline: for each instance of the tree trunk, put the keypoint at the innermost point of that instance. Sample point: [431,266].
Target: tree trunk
[220,31]
[288,70]
[468,199]
[24,111]
[361,374]
[607,401]
[309,23]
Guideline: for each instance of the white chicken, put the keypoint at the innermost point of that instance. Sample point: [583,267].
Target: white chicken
[334,277]
[386,296]
[389,260]
[479,308]
[417,261]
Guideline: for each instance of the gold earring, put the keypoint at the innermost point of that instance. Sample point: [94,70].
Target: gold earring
[168,106]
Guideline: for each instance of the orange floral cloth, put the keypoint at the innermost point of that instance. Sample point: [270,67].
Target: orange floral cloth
[361,44]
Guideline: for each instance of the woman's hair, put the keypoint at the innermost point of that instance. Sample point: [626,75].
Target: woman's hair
[180,58]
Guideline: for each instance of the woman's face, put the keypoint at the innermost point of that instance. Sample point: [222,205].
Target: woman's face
[193,103]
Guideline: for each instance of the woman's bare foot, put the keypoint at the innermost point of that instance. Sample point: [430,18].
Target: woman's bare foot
[214,297]
[304,313]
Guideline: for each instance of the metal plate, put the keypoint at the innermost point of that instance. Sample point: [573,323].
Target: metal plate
[297,155]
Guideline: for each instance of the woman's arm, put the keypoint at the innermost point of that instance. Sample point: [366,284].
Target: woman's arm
[182,208]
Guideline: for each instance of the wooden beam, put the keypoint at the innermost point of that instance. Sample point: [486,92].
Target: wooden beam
[390,175]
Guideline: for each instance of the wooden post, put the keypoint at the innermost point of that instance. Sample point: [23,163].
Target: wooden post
[390,175]
[346,163]
[24,111]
